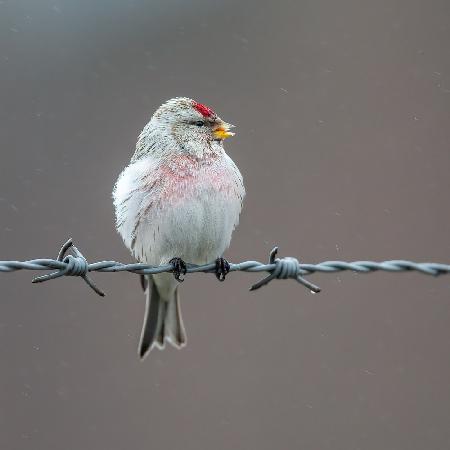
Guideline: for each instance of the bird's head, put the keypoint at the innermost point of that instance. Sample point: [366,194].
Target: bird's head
[191,124]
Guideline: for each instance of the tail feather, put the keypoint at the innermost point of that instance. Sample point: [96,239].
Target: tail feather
[173,323]
[162,322]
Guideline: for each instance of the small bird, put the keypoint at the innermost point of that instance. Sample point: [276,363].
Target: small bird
[177,201]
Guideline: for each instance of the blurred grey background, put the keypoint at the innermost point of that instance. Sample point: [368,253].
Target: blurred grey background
[343,139]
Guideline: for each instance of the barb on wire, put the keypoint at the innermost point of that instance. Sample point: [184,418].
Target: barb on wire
[75,264]
[285,268]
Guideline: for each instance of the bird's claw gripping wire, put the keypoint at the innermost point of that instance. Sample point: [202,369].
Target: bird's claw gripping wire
[76,265]
[222,268]
[179,268]
[285,268]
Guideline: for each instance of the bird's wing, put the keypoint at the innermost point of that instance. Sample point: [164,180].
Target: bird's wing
[131,194]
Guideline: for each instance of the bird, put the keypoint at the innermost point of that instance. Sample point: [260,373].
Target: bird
[178,201]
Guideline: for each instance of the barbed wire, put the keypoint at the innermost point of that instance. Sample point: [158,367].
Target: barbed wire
[75,264]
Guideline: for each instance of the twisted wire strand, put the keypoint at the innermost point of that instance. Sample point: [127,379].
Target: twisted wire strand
[75,264]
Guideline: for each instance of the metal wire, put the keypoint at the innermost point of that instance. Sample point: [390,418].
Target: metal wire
[75,264]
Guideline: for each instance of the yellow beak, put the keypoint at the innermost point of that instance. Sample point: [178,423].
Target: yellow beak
[222,131]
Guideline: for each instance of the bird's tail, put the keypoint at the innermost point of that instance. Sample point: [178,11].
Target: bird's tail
[163,321]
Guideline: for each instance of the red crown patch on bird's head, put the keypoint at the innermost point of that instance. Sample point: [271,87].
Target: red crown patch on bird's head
[204,110]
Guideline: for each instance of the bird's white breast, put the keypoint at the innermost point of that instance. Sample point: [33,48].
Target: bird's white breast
[180,207]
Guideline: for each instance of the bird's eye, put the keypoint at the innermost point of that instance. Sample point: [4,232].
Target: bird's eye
[199,123]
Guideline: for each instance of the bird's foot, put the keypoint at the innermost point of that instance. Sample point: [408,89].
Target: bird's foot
[222,268]
[179,268]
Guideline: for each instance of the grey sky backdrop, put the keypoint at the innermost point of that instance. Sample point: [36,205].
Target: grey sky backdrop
[342,114]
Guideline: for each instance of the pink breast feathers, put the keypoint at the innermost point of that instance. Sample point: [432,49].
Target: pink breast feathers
[184,176]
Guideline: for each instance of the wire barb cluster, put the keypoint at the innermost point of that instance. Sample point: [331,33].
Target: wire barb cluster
[75,264]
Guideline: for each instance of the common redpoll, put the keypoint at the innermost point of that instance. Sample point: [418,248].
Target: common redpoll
[178,200]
